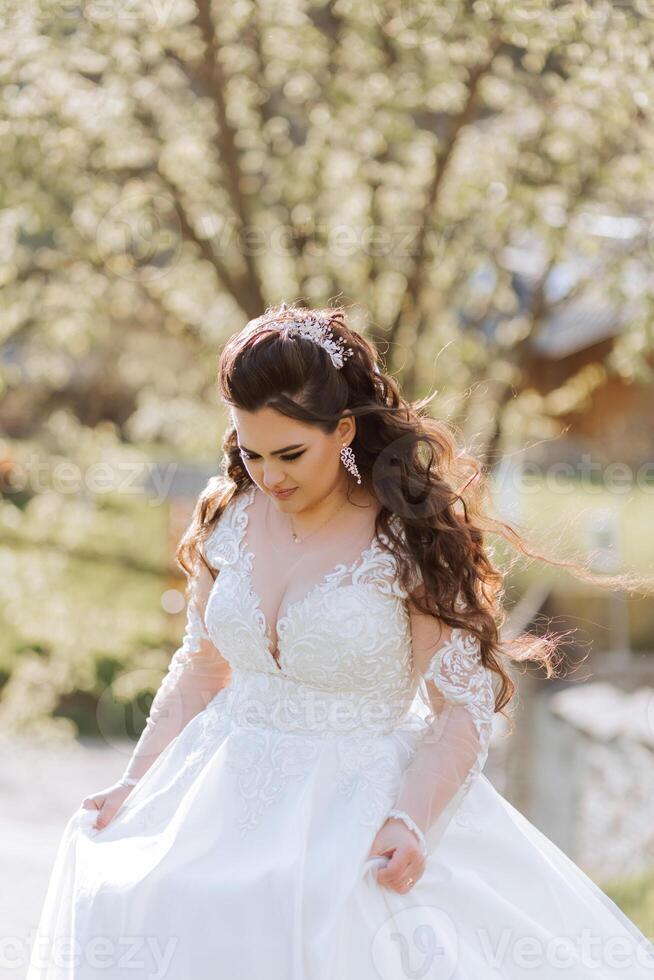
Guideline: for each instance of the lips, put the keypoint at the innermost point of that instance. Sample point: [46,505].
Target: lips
[285,493]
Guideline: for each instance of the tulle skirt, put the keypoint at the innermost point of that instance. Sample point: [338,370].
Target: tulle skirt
[219,868]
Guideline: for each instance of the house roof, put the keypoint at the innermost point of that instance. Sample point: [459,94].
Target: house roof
[588,316]
[580,323]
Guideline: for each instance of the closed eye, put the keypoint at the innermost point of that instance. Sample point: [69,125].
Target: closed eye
[289,457]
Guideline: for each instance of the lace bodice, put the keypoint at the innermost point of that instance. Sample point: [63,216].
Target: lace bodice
[348,633]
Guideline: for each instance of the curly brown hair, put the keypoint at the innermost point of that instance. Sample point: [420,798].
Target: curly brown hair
[407,459]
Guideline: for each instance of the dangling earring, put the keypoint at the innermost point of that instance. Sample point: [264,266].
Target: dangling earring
[347,457]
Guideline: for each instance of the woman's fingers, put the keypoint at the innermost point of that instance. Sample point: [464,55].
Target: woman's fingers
[105,816]
[92,802]
[395,870]
[402,871]
[403,884]
[107,803]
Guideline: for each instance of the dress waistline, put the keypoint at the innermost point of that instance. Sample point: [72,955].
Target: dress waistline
[258,699]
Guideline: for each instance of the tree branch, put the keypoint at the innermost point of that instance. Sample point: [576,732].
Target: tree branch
[252,298]
[411,297]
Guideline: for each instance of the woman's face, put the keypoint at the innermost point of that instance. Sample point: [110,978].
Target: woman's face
[280,453]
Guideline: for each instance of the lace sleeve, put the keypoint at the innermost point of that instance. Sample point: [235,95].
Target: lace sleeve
[454,746]
[196,673]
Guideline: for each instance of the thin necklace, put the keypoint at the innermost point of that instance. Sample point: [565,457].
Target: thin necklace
[300,540]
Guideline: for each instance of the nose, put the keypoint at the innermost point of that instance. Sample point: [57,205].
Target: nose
[273,479]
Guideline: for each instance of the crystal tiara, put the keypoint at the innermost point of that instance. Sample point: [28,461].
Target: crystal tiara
[317,329]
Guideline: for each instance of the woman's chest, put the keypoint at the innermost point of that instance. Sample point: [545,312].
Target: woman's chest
[339,636]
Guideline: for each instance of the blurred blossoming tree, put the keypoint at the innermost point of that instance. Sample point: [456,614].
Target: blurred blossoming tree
[173,166]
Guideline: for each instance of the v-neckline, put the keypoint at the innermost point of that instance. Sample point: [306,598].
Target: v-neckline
[247,559]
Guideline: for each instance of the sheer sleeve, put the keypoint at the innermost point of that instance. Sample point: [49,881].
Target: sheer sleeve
[452,751]
[196,673]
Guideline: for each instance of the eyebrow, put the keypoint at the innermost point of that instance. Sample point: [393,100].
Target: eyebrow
[275,452]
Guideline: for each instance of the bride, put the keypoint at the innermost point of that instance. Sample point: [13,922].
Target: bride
[307,800]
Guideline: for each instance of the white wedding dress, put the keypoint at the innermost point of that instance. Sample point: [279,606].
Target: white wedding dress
[243,850]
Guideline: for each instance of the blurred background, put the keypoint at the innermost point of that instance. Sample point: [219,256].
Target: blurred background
[473,182]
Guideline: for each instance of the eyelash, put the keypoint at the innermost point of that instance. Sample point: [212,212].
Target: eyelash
[289,458]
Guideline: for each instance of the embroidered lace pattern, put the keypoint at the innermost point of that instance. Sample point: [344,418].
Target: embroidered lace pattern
[344,681]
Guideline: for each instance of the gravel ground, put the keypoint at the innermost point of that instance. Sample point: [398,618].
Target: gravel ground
[40,787]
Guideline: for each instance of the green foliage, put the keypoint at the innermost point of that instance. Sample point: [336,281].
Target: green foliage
[107,668]
[635,896]
[80,606]
[557,516]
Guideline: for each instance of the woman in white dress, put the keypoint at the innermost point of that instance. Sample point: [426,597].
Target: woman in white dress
[307,800]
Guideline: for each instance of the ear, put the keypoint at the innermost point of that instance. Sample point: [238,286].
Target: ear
[346,429]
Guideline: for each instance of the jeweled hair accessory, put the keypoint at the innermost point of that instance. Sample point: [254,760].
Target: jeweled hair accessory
[317,329]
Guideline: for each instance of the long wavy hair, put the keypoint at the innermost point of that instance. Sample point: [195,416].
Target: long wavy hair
[409,461]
